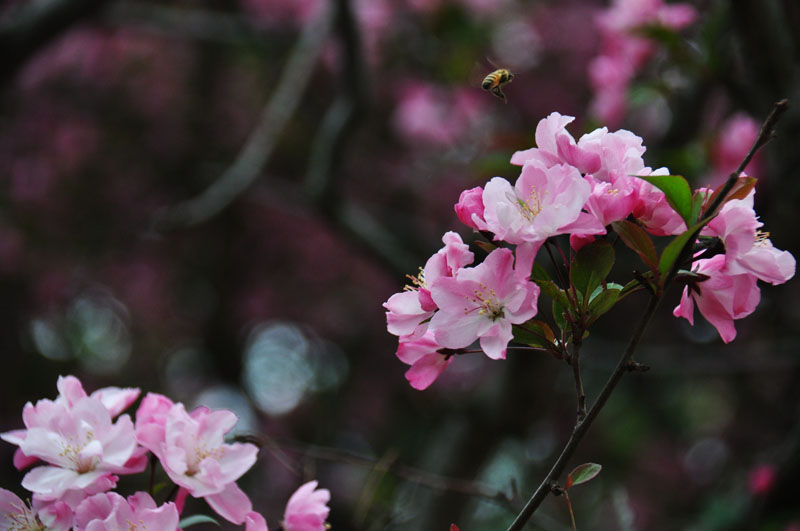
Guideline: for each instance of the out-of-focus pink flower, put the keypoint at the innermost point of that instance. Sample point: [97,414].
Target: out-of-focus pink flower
[721,299]
[736,136]
[111,512]
[15,515]
[307,509]
[193,453]
[544,202]
[469,208]
[623,52]
[76,436]
[425,360]
[430,115]
[748,250]
[483,302]
[761,479]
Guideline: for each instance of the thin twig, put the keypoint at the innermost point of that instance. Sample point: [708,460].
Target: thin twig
[253,157]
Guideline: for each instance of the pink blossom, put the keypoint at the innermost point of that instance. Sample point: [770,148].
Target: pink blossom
[253,521]
[192,451]
[544,202]
[736,136]
[15,515]
[469,208]
[721,299]
[747,249]
[111,512]
[425,360]
[483,302]
[76,436]
[761,479]
[407,310]
[610,202]
[556,146]
[652,210]
[307,509]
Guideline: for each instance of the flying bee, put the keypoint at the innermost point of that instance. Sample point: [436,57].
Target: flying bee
[494,82]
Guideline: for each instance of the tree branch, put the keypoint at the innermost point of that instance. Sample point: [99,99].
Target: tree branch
[253,157]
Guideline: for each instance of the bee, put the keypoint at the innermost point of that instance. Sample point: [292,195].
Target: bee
[494,82]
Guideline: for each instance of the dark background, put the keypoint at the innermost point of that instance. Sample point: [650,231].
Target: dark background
[265,295]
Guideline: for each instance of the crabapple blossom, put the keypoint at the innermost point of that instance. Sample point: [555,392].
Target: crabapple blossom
[15,515]
[482,302]
[544,202]
[554,145]
[469,208]
[111,512]
[77,439]
[425,360]
[192,451]
[407,310]
[307,509]
[721,299]
[747,249]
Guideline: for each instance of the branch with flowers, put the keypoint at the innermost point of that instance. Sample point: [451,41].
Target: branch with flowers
[79,445]
[707,240]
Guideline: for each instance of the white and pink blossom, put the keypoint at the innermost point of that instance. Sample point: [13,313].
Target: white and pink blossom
[482,302]
[722,298]
[427,363]
[307,509]
[111,512]
[193,453]
[16,515]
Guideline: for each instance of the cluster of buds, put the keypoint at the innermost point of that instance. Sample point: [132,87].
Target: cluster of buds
[80,444]
[583,189]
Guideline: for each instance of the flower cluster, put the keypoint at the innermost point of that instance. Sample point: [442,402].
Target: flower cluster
[81,445]
[576,188]
[624,52]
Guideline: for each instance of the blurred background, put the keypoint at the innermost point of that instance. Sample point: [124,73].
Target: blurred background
[211,200]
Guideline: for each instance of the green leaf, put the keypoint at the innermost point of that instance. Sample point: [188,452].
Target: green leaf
[534,333]
[672,251]
[603,302]
[197,519]
[679,195]
[591,266]
[582,474]
[637,239]
[559,314]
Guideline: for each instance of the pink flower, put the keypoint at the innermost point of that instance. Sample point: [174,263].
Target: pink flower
[253,521]
[556,146]
[761,479]
[111,512]
[483,302]
[721,299]
[736,136]
[407,310]
[652,210]
[469,208]
[307,509]
[747,249]
[15,515]
[425,360]
[544,202]
[191,448]
[76,436]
